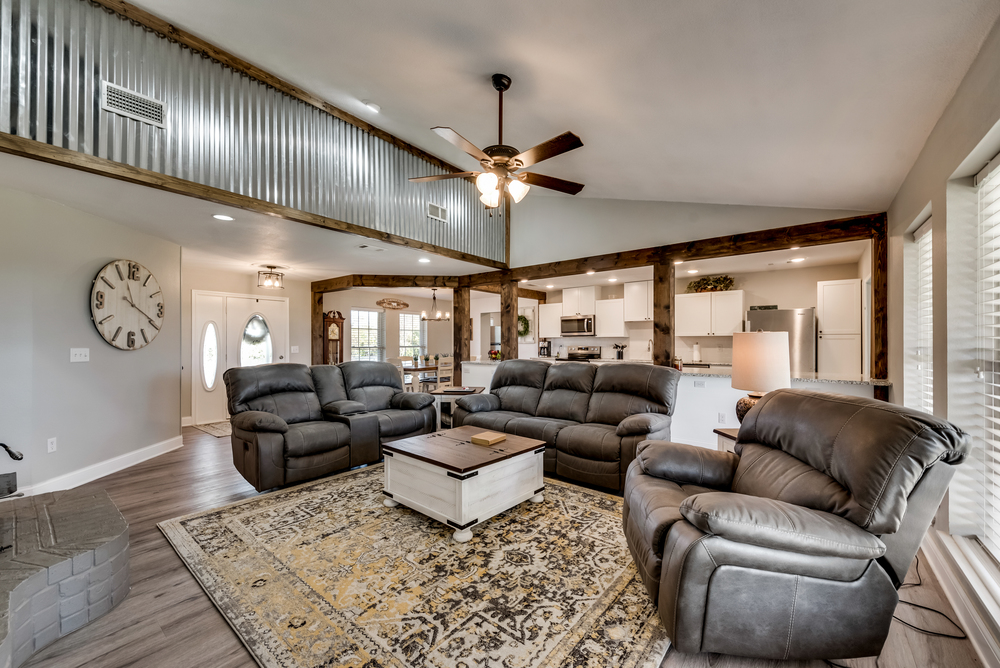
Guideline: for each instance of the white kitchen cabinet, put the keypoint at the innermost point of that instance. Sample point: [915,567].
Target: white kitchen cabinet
[548,320]
[579,301]
[610,318]
[639,301]
[838,306]
[838,356]
[709,313]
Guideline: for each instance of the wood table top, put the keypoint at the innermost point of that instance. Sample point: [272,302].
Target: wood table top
[453,449]
[458,391]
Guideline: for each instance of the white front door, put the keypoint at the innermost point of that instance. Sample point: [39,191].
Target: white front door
[230,331]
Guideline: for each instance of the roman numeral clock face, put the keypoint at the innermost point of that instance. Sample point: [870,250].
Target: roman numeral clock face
[126,305]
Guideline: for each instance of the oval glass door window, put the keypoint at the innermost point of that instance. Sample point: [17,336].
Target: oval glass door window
[210,355]
[255,348]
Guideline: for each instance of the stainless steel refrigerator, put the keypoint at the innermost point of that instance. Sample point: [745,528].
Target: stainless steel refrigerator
[800,323]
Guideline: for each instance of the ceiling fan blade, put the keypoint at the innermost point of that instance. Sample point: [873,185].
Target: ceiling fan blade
[567,141]
[442,177]
[552,183]
[461,142]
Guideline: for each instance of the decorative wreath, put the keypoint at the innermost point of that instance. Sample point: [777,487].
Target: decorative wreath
[523,326]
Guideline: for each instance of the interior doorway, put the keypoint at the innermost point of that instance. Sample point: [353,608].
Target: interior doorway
[231,330]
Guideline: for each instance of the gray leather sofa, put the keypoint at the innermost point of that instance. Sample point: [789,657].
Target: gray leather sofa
[795,546]
[293,423]
[590,417]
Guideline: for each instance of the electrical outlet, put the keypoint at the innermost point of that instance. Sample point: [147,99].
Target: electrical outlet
[295,349]
[722,418]
[699,383]
[79,354]
[52,445]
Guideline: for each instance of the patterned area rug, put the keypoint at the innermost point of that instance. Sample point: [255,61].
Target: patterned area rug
[217,429]
[324,575]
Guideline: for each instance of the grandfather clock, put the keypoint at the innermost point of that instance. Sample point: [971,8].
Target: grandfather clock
[333,333]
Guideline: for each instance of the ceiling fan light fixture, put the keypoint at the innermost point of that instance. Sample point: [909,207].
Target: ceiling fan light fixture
[517,189]
[491,199]
[486,182]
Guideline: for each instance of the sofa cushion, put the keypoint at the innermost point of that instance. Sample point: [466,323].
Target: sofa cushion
[543,429]
[372,383]
[329,382]
[856,458]
[395,422]
[286,390]
[493,420]
[518,384]
[313,438]
[621,390]
[566,393]
[591,441]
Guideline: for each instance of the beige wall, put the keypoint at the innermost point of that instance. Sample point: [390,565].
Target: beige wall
[198,277]
[439,334]
[119,402]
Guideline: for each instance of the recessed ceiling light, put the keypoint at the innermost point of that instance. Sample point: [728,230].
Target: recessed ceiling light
[424,260]
[797,259]
[550,286]
[612,280]
[692,271]
[220,216]
[678,261]
[590,273]
[371,105]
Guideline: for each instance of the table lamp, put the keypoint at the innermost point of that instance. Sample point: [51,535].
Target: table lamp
[760,364]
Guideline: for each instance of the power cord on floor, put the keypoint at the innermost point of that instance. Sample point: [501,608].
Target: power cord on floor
[934,634]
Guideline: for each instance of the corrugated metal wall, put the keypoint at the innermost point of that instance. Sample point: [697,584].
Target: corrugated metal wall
[223,129]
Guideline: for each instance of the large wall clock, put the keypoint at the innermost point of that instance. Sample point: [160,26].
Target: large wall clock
[126,305]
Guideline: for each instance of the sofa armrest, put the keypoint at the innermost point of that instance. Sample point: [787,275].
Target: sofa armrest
[259,421]
[642,423]
[779,525]
[343,407]
[687,463]
[479,403]
[411,401]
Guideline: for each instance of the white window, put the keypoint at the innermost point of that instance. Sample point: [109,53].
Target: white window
[919,392]
[412,335]
[367,335]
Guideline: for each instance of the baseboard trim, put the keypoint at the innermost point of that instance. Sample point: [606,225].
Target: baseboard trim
[187,421]
[966,593]
[101,469]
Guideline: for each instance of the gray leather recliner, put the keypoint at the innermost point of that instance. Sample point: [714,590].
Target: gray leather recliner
[795,546]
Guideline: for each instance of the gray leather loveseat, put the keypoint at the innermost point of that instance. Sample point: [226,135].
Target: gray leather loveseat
[794,547]
[293,423]
[590,417]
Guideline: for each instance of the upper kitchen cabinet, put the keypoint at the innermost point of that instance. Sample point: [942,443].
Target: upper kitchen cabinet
[838,306]
[548,320]
[579,301]
[638,301]
[609,318]
[708,313]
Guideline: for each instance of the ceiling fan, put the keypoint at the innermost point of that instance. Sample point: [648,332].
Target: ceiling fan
[501,162]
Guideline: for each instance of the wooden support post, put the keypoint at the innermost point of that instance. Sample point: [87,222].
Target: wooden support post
[508,320]
[317,328]
[461,313]
[663,312]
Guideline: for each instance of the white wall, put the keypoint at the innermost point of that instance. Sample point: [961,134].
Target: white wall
[439,334]
[198,277]
[549,228]
[111,407]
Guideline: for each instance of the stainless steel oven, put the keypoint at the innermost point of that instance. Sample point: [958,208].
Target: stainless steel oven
[577,325]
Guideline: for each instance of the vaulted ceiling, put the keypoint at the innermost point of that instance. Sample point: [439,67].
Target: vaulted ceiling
[765,102]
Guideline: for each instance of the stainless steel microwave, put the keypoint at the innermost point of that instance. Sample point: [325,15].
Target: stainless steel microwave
[577,325]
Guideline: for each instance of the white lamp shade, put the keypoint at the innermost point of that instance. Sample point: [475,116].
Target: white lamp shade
[760,361]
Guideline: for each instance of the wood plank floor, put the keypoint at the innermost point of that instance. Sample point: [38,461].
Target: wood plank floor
[167,620]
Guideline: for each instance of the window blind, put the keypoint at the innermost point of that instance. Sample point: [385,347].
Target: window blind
[920,394]
[367,335]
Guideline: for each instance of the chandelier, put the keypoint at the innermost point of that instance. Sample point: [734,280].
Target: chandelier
[434,310]
[392,304]
[270,279]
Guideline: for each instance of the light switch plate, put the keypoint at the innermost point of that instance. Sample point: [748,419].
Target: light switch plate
[295,349]
[79,354]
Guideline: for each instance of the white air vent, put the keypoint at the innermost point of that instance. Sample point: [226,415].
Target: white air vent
[371,248]
[127,103]
[437,212]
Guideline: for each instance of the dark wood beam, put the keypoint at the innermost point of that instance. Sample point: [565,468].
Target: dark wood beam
[664,287]
[494,289]
[461,313]
[508,320]
[165,29]
[28,148]
[316,321]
